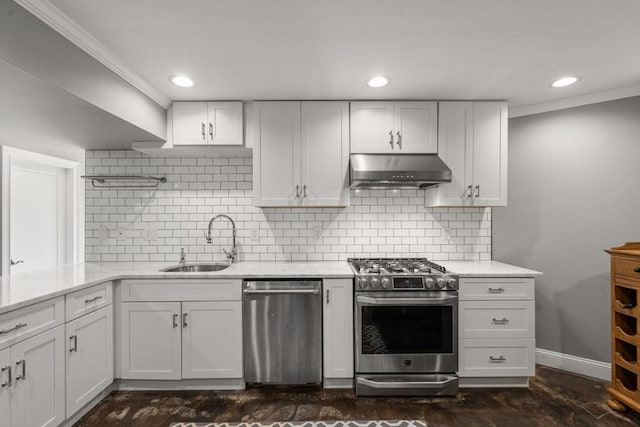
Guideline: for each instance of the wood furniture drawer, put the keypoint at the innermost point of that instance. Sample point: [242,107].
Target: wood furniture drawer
[497,358]
[627,267]
[494,288]
[26,322]
[496,319]
[87,300]
[181,290]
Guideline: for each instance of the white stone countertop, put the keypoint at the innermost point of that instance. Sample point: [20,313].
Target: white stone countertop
[22,289]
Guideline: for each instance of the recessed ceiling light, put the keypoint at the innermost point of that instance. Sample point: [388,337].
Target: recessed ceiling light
[565,81]
[378,81]
[182,81]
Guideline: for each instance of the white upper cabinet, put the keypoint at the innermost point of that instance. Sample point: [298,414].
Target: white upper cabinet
[206,123]
[301,153]
[472,141]
[394,127]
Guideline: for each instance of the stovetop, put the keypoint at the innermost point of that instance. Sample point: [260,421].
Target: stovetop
[401,274]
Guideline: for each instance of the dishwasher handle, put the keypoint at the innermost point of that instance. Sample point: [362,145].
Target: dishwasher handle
[282,291]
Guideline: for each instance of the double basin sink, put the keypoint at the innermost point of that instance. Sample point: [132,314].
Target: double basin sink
[195,268]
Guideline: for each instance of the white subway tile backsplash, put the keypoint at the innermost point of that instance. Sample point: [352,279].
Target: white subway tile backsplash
[379,223]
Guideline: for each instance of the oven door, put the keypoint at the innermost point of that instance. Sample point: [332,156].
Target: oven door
[406,332]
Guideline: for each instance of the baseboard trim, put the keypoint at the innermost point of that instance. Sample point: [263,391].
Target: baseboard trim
[89,406]
[574,364]
[192,384]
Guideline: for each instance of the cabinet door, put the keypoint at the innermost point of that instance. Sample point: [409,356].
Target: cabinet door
[455,139]
[276,154]
[490,153]
[6,383]
[212,339]
[190,125]
[415,127]
[372,127]
[338,328]
[151,341]
[38,373]
[224,124]
[89,357]
[325,153]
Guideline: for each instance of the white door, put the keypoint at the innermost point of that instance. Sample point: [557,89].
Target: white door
[37,200]
[224,124]
[212,339]
[372,127]
[6,384]
[89,357]
[190,126]
[325,153]
[415,126]
[338,328]
[151,341]
[490,153]
[38,393]
[276,154]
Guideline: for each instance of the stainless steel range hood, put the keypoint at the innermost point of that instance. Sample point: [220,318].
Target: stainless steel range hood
[397,171]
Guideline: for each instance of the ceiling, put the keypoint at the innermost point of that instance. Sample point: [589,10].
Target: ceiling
[326,49]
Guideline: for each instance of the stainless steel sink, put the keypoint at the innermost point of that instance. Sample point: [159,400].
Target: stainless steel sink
[196,268]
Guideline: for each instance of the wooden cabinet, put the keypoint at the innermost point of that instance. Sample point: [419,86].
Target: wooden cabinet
[496,331]
[394,127]
[472,141]
[625,321]
[89,356]
[301,154]
[338,332]
[206,123]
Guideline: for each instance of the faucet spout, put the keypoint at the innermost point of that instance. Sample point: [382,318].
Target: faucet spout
[233,253]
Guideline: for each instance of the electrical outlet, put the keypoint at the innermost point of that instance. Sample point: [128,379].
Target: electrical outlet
[317,231]
[149,234]
[255,235]
[103,232]
[120,234]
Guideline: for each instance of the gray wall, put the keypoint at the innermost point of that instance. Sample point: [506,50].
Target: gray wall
[574,190]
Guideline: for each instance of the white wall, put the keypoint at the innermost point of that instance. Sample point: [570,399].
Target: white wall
[379,222]
[574,190]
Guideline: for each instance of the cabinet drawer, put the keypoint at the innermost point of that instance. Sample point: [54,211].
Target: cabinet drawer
[29,321]
[497,319]
[182,290]
[627,267]
[497,358]
[87,300]
[495,289]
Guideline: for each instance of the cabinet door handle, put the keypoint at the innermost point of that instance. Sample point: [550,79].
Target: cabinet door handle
[496,290]
[184,320]
[497,359]
[74,339]
[399,140]
[210,130]
[9,380]
[328,295]
[469,191]
[23,376]
[637,269]
[502,321]
[297,191]
[202,131]
[477,191]
[304,191]
[15,328]
[175,320]
[391,139]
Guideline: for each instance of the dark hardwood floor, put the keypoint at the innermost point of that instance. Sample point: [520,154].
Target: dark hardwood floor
[554,398]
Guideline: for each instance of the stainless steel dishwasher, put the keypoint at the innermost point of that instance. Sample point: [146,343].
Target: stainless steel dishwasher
[282,331]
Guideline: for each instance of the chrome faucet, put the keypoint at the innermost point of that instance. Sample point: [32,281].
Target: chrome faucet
[183,257]
[233,253]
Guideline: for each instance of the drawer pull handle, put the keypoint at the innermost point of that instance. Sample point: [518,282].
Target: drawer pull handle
[22,362]
[15,328]
[502,321]
[73,338]
[637,269]
[497,359]
[496,290]
[10,380]
[625,306]
[94,299]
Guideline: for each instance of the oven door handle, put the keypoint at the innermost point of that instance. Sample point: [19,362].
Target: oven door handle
[407,301]
[405,384]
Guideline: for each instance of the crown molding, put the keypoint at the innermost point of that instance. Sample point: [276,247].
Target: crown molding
[574,101]
[68,28]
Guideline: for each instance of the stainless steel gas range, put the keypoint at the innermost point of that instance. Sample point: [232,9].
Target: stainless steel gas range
[406,327]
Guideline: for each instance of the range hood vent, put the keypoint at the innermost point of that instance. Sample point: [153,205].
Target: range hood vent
[397,171]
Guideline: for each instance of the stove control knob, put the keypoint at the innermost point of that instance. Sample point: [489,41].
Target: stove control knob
[386,283]
[429,283]
[451,283]
[363,283]
[441,283]
[375,283]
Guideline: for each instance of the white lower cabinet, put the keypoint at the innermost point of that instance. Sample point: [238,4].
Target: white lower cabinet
[89,357]
[6,379]
[38,386]
[338,329]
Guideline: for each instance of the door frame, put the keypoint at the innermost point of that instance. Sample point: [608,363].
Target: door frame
[74,203]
